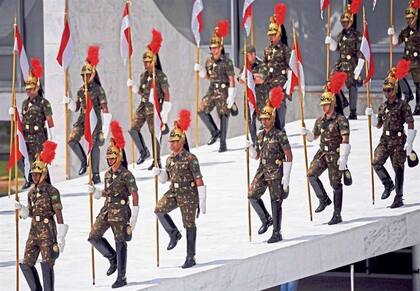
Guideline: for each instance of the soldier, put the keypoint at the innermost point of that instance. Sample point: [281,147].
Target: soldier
[99,103]
[277,56]
[273,151]
[392,114]
[144,112]
[410,36]
[221,92]
[334,131]
[116,212]
[44,235]
[348,48]
[260,72]
[187,190]
[36,111]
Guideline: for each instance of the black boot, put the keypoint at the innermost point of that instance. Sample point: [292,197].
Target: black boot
[47,276]
[253,128]
[320,192]
[170,228]
[211,125]
[406,90]
[95,156]
[417,110]
[353,115]
[353,101]
[152,165]
[191,238]
[31,276]
[224,121]
[338,202]
[80,153]
[399,183]
[105,249]
[121,248]
[262,213]
[96,178]
[140,144]
[276,211]
[385,179]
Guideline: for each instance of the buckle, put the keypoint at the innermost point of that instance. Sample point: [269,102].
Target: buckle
[38,218]
[223,86]
[176,185]
[263,161]
[387,133]
[279,162]
[326,148]
[216,86]
[192,184]
[36,127]
[27,126]
[399,133]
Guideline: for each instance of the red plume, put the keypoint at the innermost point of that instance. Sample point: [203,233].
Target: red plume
[402,69]
[48,152]
[222,28]
[184,120]
[117,134]
[37,69]
[337,81]
[280,11]
[93,55]
[276,97]
[355,6]
[415,4]
[156,41]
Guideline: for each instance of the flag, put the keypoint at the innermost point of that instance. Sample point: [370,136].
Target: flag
[324,4]
[154,99]
[22,150]
[197,20]
[126,47]
[65,53]
[247,16]
[90,123]
[23,59]
[296,73]
[250,90]
[366,50]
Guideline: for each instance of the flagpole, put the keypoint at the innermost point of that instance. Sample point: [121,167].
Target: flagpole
[328,46]
[90,183]
[197,84]
[155,162]
[12,119]
[130,88]
[302,120]
[252,27]
[391,21]
[369,102]
[66,106]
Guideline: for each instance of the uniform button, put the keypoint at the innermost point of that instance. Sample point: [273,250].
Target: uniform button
[36,127]
[122,202]
[348,57]
[283,72]
[143,86]
[46,220]
[415,54]
[271,70]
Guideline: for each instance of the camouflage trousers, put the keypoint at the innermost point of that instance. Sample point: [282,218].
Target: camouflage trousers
[78,131]
[42,237]
[323,161]
[120,229]
[185,198]
[216,98]
[143,114]
[259,186]
[394,151]
[415,72]
[34,143]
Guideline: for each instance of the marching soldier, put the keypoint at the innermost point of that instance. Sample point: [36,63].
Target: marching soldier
[273,150]
[410,36]
[45,235]
[277,56]
[116,212]
[99,103]
[36,111]
[348,49]
[334,131]
[392,114]
[221,92]
[187,190]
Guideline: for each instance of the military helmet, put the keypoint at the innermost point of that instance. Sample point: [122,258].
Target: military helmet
[273,102]
[44,158]
[149,56]
[91,61]
[395,74]
[38,166]
[152,49]
[391,81]
[277,19]
[273,27]
[34,75]
[180,126]
[116,143]
[327,97]
[347,15]
[412,159]
[220,31]
[412,10]
[333,87]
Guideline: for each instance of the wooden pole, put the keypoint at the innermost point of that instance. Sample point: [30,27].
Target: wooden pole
[197,84]
[66,106]
[156,164]
[302,122]
[130,88]
[369,102]
[252,28]
[328,46]
[391,23]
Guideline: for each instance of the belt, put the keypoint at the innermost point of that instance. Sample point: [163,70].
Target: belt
[116,200]
[326,148]
[177,185]
[39,218]
[388,133]
[276,161]
[219,85]
[35,127]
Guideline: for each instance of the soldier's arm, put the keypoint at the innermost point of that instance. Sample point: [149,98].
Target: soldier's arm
[284,141]
[132,188]
[380,117]
[344,129]
[48,113]
[317,130]
[59,216]
[288,154]
[408,116]
[199,182]
[135,198]
[346,138]
[165,87]
[231,74]
[56,205]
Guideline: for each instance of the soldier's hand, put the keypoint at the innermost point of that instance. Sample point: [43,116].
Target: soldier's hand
[369,111]
[231,97]
[330,41]
[97,193]
[344,155]
[23,210]
[306,132]
[201,71]
[11,111]
[391,31]
[62,230]
[161,173]
[70,103]
[156,171]
[287,169]
[129,83]
[197,67]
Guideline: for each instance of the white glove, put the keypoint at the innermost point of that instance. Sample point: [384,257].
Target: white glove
[62,230]
[252,152]
[344,155]
[243,75]
[134,215]
[130,83]
[70,103]
[231,97]
[359,68]
[287,169]
[166,108]
[11,111]
[134,87]
[411,135]
[23,210]
[107,117]
[391,31]
[333,44]
[306,132]
[201,71]
[97,193]
[374,118]
[161,173]
[202,196]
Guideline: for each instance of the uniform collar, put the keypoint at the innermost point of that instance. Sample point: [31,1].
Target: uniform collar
[397,101]
[178,154]
[333,116]
[35,100]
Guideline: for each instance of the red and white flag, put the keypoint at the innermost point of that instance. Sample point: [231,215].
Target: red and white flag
[366,50]
[154,99]
[250,90]
[22,150]
[65,53]
[23,58]
[197,20]
[90,123]
[247,16]
[296,73]
[324,4]
[126,46]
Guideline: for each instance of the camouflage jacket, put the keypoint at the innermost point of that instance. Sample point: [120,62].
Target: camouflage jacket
[411,39]
[44,201]
[218,72]
[348,47]
[118,188]
[183,169]
[34,115]
[146,82]
[276,58]
[261,90]
[331,132]
[98,97]
[270,147]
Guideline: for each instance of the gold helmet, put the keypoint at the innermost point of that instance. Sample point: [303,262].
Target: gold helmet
[43,159]
[412,10]
[350,10]
[180,126]
[333,86]
[91,61]
[220,31]
[34,75]
[273,102]
[277,19]
[395,74]
[116,143]
[153,47]
[149,56]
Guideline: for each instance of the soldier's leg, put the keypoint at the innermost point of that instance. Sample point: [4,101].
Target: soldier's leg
[156,153]
[188,204]
[380,157]
[21,166]
[47,276]
[398,158]
[206,106]
[335,180]
[276,194]
[353,101]
[417,108]
[281,115]
[121,236]
[27,267]
[165,205]
[317,167]
[223,112]
[76,147]
[256,190]
[138,122]
[95,156]
[406,90]
[253,127]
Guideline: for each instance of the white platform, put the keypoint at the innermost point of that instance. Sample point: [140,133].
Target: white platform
[226,259]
